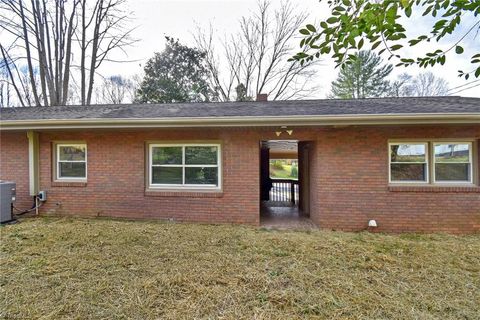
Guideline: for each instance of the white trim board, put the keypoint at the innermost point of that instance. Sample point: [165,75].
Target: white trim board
[244,121]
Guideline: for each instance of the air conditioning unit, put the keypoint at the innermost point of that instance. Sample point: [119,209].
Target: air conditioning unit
[7,197]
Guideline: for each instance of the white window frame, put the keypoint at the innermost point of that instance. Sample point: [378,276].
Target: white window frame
[470,162]
[183,166]
[58,161]
[427,168]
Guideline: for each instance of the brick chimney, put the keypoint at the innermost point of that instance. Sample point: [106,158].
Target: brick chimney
[262,97]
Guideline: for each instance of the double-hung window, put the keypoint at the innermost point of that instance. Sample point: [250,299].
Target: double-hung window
[195,166]
[453,162]
[71,161]
[408,162]
[433,162]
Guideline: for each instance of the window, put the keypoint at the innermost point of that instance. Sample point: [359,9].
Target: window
[408,162]
[187,165]
[450,162]
[453,162]
[71,161]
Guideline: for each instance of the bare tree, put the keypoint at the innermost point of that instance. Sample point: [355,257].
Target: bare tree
[5,94]
[422,85]
[401,86]
[427,84]
[255,57]
[10,71]
[18,78]
[44,34]
[5,86]
[116,90]
[28,92]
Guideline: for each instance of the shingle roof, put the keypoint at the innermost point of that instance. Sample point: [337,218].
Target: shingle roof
[377,106]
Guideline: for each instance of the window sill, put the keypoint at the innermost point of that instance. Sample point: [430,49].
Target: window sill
[187,193]
[468,188]
[69,184]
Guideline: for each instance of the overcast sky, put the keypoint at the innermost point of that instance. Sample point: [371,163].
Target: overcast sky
[156,18]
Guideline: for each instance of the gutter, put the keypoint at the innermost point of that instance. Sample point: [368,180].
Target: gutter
[244,121]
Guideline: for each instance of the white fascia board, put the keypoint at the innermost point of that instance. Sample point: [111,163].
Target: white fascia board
[247,121]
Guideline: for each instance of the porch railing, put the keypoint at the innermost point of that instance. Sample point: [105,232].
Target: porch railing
[284,190]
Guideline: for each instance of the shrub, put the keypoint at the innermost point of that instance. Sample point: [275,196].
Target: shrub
[294,172]
[277,164]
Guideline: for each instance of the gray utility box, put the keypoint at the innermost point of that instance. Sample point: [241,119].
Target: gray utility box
[7,197]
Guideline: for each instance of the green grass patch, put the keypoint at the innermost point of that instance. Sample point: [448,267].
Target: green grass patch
[114,269]
[280,169]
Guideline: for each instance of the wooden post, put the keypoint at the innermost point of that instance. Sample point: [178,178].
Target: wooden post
[292,192]
[33,162]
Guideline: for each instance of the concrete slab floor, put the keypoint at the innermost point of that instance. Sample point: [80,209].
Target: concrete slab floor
[284,217]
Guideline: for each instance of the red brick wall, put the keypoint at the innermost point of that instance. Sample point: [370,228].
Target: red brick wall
[352,184]
[349,179]
[116,179]
[14,165]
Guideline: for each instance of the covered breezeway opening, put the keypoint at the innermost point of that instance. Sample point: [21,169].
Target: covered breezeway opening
[284,184]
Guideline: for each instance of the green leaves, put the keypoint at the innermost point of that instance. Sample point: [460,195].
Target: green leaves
[408,12]
[332,20]
[301,55]
[305,32]
[311,28]
[391,14]
[376,44]
[352,25]
[177,74]
[475,59]
[441,60]
[360,44]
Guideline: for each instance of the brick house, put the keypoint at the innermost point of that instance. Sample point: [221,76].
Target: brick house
[410,164]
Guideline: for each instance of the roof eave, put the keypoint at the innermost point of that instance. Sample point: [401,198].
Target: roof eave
[244,121]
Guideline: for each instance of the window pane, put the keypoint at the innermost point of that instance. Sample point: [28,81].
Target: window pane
[408,172]
[167,175]
[200,155]
[166,155]
[72,153]
[200,175]
[407,153]
[452,172]
[72,169]
[452,153]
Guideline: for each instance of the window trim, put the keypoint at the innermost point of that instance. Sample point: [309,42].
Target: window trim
[427,165]
[470,162]
[57,161]
[183,186]
[432,141]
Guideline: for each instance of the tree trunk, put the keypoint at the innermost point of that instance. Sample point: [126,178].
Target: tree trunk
[29,56]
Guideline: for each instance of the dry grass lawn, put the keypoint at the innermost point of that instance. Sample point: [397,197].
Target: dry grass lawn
[59,268]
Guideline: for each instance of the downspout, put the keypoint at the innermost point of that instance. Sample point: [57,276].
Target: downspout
[33,165]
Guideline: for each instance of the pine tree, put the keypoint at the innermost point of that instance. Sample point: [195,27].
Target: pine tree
[365,77]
